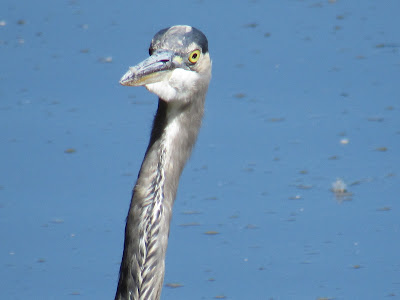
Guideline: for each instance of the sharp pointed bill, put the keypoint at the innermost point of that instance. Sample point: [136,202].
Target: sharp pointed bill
[154,69]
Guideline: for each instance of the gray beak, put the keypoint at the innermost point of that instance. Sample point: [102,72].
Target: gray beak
[156,68]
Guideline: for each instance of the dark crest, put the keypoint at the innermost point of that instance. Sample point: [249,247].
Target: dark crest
[168,38]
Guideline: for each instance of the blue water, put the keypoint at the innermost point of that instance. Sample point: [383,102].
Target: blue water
[303,93]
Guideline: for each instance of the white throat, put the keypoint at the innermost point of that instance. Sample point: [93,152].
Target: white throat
[179,86]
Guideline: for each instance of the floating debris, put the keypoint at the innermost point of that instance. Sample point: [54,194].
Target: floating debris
[276,119]
[174,285]
[388,45]
[220,297]
[3,23]
[385,208]
[375,119]
[304,186]
[339,188]
[251,25]
[57,221]
[107,59]
[357,182]
[333,157]
[239,95]
[211,232]
[382,149]
[70,150]
[344,141]
[251,226]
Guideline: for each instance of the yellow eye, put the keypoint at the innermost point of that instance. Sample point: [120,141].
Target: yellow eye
[194,56]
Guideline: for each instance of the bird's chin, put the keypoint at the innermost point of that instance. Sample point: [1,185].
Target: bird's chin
[163,90]
[180,86]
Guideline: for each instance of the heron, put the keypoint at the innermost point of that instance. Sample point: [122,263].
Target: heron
[178,71]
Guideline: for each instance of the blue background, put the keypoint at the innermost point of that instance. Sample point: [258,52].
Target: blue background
[303,93]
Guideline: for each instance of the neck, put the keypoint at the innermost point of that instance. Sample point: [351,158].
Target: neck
[174,133]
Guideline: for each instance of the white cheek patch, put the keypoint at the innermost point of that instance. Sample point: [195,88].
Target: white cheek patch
[162,89]
[179,86]
[185,83]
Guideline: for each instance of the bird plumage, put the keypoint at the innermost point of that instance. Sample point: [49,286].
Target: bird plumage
[181,86]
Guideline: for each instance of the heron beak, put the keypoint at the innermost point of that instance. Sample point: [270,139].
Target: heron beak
[156,68]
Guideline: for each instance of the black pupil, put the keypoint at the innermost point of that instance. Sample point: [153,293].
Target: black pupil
[194,55]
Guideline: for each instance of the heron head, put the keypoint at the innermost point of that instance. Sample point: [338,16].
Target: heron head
[179,66]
